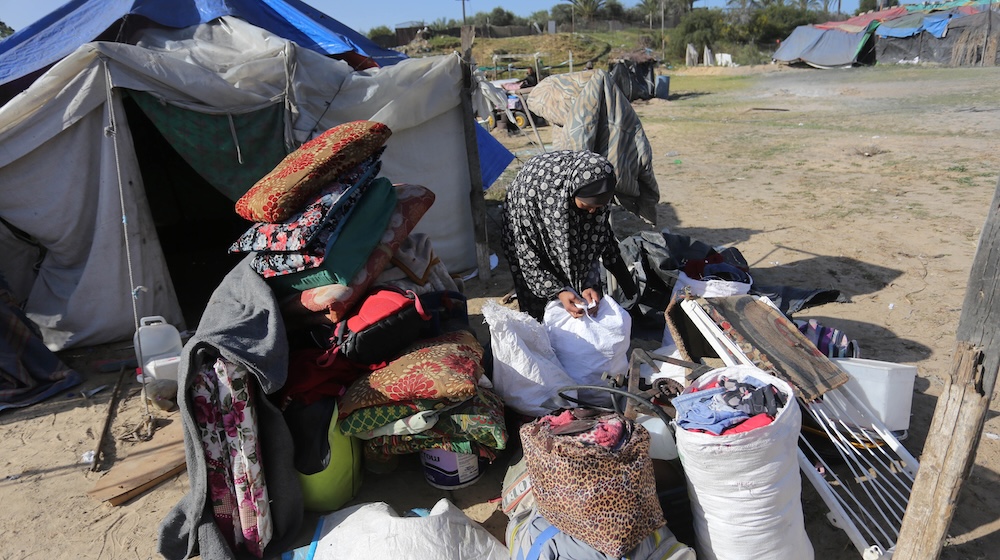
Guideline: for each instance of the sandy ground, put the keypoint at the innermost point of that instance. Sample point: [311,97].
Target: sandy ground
[873,181]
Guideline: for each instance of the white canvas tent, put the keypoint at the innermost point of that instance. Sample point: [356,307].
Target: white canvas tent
[77,235]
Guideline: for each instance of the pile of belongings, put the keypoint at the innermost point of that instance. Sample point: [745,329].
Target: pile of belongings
[579,463]
[379,343]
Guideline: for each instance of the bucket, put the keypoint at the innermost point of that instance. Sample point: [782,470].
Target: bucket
[448,470]
[662,90]
[157,340]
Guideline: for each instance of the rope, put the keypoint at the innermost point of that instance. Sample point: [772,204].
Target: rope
[112,132]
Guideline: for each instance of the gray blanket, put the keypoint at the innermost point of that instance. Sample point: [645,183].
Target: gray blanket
[242,324]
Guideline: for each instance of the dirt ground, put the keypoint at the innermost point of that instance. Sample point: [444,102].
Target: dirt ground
[871,181]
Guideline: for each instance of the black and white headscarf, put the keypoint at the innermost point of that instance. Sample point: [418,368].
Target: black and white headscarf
[549,243]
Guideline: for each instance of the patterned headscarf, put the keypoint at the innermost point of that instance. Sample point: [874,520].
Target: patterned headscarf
[549,242]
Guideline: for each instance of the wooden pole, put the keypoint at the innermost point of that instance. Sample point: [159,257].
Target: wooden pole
[472,152]
[957,426]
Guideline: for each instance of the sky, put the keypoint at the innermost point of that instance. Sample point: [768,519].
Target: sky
[363,16]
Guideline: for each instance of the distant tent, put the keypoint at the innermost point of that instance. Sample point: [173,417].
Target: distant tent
[635,75]
[948,38]
[956,33]
[827,48]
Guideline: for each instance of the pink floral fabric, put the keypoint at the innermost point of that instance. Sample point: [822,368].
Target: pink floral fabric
[227,421]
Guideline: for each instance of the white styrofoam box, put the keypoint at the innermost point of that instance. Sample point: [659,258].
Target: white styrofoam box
[885,387]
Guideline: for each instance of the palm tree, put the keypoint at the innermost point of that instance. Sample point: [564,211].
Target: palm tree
[586,8]
[651,8]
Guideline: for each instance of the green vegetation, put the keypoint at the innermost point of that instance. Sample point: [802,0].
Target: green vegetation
[750,30]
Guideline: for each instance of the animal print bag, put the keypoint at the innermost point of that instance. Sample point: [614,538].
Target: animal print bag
[593,478]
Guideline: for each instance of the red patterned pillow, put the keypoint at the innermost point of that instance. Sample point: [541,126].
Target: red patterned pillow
[292,183]
[445,367]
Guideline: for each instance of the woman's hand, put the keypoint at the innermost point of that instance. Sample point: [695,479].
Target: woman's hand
[569,302]
[593,298]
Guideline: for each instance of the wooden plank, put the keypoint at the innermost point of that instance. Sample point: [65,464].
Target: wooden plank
[960,413]
[147,464]
[774,343]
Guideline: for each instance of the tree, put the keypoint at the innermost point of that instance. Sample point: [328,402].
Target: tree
[5,30]
[613,9]
[381,31]
[650,10]
[807,4]
[774,23]
[701,28]
[875,5]
[586,9]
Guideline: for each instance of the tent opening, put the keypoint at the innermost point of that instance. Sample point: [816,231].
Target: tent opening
[195,223]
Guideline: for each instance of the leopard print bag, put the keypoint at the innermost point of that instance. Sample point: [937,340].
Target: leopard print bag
[603,495]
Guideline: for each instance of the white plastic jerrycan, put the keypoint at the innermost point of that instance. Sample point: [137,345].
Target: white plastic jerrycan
[160,347]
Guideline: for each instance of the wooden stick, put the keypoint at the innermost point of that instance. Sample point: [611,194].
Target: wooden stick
[108,419]
[961,409]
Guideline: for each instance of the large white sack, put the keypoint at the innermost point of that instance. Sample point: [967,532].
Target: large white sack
[590,346]
[745,489]
[374,530]
[526,373]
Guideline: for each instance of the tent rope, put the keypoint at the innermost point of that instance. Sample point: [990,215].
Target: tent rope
[236,138]
[146,429]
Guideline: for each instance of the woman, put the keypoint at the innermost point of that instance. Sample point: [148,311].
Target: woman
[556,231]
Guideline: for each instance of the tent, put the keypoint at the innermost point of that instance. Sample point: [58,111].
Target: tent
[826,47]
[120,164]
[955,33]
[951,38]
[27,53]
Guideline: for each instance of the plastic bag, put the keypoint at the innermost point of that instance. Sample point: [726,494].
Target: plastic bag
[526,372]
[590,346]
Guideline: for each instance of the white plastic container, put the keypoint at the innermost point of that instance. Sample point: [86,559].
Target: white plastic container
[661,439]
[160,347]
[885,387]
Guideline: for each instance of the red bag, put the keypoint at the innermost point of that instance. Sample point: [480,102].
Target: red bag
[384,323]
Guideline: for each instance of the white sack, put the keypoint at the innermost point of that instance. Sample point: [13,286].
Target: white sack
[526,372]
[374,530]
[703,288]
[590,346]
[745,489]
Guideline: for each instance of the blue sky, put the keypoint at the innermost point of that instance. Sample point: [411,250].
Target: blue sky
[362,15]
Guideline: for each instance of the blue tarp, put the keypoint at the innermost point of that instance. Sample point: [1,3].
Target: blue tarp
[912,24]
[59,33]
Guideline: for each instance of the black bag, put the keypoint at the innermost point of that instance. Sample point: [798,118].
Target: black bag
[384,323]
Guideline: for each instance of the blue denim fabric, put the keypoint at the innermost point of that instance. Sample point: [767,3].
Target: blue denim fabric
[701,411]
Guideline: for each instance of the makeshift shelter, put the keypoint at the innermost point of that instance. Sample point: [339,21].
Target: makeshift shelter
[826,47]
[635,75]
[29,52]
[109,158]
[951,38]
[957,33]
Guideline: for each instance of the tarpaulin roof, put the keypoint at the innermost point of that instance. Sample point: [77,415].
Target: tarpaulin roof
[825,48]
[59,33]
[911,24]
[860,23]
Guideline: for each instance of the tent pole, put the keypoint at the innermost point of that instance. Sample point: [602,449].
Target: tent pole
[472,152]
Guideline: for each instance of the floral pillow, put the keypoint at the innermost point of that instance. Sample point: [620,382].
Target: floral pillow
[331,303]
[446,367]
[301,230]
[284,191]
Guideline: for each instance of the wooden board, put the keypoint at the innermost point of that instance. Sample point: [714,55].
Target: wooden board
[147,464]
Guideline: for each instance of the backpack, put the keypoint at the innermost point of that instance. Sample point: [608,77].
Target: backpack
[384,323]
